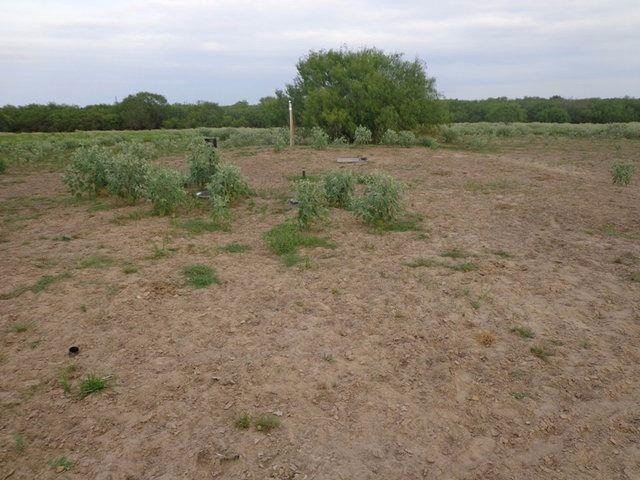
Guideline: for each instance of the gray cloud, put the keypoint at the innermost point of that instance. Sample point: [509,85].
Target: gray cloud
[226,50]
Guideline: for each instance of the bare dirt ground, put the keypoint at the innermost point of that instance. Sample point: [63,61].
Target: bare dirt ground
[376,369]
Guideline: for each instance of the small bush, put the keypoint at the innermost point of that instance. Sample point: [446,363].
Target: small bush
[227,182]
[220,212]
[87,173]
[429,142]
[165,190]
[379,204]
[280,139]
[127,177]
[340,142]
[200,276]
[390,137]
[319,138]
[3,165]
[406,138]
[362,136]
[311,202]
[203,163]
[449,135]
[622,172]
[339,187]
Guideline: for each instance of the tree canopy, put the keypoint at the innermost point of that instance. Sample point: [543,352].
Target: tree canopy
[341,89]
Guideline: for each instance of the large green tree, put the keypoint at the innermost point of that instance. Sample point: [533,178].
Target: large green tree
[142,111]
[341,89]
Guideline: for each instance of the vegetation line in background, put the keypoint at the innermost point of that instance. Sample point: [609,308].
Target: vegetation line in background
[327,92]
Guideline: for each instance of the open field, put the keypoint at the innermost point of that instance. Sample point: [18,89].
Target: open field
[496,339]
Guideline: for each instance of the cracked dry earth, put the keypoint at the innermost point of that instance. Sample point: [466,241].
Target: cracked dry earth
[381,358]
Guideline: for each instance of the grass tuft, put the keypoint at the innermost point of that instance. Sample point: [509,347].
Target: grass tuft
[62,463]
[524,332]
[243,421]
[96,261]
[541,352]
[287,238]
[455,253]
[200,276]
[234,247]
[266,422]
[92,384]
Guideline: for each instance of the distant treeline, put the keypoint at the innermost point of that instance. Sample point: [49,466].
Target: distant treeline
[150,111]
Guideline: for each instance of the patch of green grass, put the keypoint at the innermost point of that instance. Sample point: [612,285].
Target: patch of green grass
[502,253]
[524,332]
[136,215]
[408,223]
[541,352]
[96,261]
[38,287]
[463,267]
[287,238]
[422,262]
[19,443]
[20,327]
[200,276]
[519,395]
[266,422]
[62,463]
[243,421]
[201,225]
[101,207]
[455,253]
[234,247]
[92,384]
[129,268]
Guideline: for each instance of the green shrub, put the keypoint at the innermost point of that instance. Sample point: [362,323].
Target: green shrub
[362,136]
[429,142]
[340,142]
[311,202]
[338,188]
[280,139]
[3,165]
[127,177]
[622,172]
[406,138]
[319,138]
[165,191]
[220,212]
[87,172]
[203,163]
[379,204]
[449,135]
[227,182]
[390,137]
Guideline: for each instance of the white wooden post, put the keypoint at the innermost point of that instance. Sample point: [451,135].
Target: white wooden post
[290,125]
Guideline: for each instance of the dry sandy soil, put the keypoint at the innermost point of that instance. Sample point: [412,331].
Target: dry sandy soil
[376,369]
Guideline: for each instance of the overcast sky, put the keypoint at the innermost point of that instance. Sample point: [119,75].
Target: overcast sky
[81,51]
